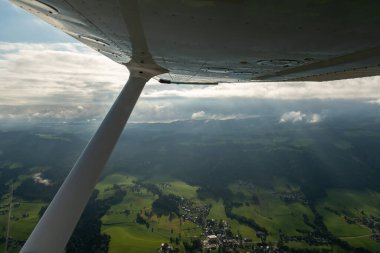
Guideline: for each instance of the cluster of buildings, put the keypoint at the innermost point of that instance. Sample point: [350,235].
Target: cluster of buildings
[218,235]
[369,221]
[293,196]
[194,213]
[166,248]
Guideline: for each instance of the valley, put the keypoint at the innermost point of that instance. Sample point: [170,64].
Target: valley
[213,186]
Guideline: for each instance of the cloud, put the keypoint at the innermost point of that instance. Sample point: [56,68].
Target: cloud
[198,115]
[57,73]
[34,114]
[64,82]
[375,101]
[72,71]
[299,116]
[38,179]
[358,89]
[202,115]
[315,118]
[292,117]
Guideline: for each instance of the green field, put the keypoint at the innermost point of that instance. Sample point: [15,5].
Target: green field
[217,212]
[352,204]
[126,234]
[22,227]
[268,211]
[132,239]
[276,215]
[271,212]
[24,217]
[169,185]
[106,184]
[302,245]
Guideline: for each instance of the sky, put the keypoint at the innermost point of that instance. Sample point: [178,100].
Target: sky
[47,76]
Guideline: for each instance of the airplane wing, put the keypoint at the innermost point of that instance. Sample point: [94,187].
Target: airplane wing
[231,40]
[200,41]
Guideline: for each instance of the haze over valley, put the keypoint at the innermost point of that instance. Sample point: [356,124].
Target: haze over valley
[292,181]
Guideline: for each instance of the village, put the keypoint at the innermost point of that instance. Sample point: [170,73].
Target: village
[369,221]
[293,196]
[194,213]
[216,235]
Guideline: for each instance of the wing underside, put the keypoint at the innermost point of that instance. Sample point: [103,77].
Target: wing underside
[231,40]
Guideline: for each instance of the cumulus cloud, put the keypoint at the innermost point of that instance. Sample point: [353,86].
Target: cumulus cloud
[198,115]
[38,179]
[292,117]
[299,116]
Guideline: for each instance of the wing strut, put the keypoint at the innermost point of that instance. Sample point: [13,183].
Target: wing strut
[59,220]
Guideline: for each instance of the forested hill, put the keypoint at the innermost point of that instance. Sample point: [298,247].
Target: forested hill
[331,154]
[213,153]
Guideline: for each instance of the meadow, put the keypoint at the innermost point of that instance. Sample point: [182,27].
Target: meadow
[263,205]
[267,209]
[352,204]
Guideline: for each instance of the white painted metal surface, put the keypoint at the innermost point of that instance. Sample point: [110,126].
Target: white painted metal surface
[230,40]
